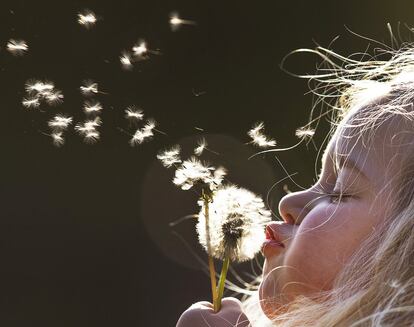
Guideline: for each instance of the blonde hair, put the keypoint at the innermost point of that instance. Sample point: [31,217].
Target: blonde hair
[376,287]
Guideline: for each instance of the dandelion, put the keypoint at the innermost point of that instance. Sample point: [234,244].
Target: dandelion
[60,122]
[53,98]
[258,138]
[87,18]
[176,22]
[89,87]
[134,114]
[237,219]
[231,228]
[17,47]
[58,139]
[170,157]
[126,61]
[201,146]
[92,107]
[32,102]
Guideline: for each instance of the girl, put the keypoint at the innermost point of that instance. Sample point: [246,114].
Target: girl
[343,254]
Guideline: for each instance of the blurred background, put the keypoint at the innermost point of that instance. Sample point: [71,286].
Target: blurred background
[84,229]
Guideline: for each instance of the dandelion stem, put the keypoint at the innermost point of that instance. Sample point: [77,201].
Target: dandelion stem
[207,198]
[222,280]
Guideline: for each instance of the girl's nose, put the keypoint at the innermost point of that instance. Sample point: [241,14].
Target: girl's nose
[292,207]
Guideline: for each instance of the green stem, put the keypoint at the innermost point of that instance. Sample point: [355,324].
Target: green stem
[206,199]
[222,280]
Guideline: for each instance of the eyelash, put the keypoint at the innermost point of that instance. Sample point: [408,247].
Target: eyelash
[337,195]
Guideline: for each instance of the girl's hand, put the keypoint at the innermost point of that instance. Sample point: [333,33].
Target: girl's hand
[202,314]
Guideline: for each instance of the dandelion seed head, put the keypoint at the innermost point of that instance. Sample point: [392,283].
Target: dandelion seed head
[201,146]
[90,107]
[258,137]
[191,172]
[87,18]
[170,157]
[32,102]
[17,47]
[60,122]
[89,87]
[237,218]
[58,139]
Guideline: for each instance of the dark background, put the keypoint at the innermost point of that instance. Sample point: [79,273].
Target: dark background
[84,236]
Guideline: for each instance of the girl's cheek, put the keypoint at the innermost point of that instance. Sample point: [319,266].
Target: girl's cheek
[313,254]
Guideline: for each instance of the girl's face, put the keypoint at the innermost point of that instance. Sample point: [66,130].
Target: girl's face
[320,232]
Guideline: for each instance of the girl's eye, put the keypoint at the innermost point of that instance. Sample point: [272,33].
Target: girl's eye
[337,197]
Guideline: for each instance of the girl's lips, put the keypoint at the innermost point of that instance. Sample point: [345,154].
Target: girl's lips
[272,247]
[273,244]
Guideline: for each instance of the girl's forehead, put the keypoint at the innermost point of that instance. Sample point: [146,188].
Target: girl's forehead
[377,149]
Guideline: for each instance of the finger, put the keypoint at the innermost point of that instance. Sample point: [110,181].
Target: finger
[230,303]
[203,305]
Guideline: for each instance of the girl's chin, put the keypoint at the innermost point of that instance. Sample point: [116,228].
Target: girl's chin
[269,297]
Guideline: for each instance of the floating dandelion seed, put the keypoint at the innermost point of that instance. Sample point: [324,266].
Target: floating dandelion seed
[60,122]
[87,18]
[140,136]
[140,49]
[176,22]
[126,61]
[89,87]
[90,107]
[170,157]
[304,132]
[39,87]
[258,138]
[142,52]
[150,125]
[201,146]
[17,47]
[134,114]
[31,102]
[237,218]
[143,134]
[88,126]
[53,98]
[58,139]
[92,137]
